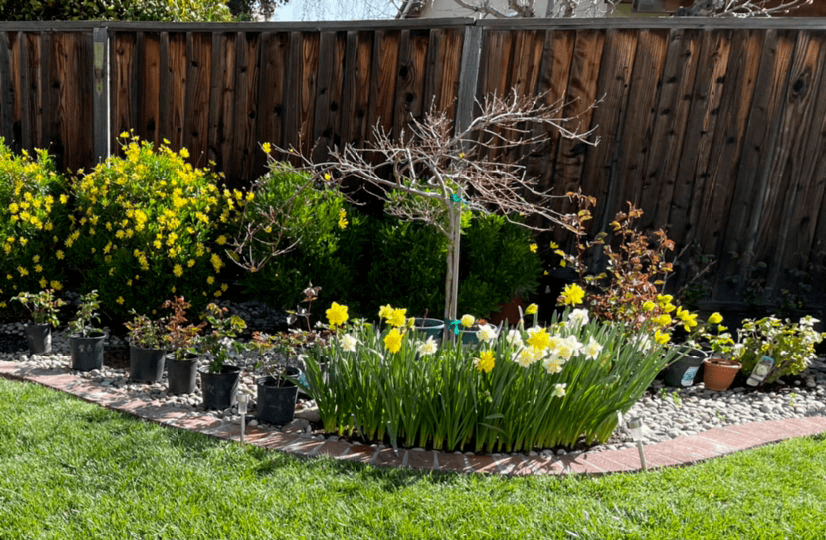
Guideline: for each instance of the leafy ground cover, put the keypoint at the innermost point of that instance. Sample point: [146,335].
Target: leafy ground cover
[75,470]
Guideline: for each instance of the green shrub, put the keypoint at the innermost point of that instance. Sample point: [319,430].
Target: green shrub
[137,10]
[289,235]
[381,259]
[539,387]
[32,222]
[148,225]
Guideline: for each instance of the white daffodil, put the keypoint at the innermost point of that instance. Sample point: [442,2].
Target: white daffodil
[487,333]
[428,347]
[348,343]
[553,364]
[592,349]
[514,338]
[559,389]
[578,317]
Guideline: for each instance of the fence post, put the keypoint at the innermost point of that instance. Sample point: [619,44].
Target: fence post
[101,93]
[469,76]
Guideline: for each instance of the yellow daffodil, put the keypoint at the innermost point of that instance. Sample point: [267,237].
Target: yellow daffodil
[337,315]
[393,341]
[572,295]
[485,361]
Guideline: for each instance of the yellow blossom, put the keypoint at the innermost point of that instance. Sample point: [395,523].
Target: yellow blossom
[715,318]
[468,320]
[533,248]
[572,295]
[397,318]
[178,270]
[393,340]
[337,315]
[485,361]
[532,309]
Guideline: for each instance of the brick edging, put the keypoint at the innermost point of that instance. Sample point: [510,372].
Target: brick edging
[682,451]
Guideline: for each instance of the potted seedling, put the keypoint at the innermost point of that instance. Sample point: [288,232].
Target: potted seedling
[147,347]
[86,340]
[219,383]
[277,390]
[180,338]
[44,308]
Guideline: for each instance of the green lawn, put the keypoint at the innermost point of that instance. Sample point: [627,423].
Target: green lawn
[69,469]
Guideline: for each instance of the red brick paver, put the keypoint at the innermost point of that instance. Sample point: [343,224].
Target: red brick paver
[681,451]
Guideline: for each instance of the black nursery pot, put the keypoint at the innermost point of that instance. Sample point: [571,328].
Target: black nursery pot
[219,389]
[686,369]
[87,351]
[182,374]
[39,338]
[275,404]
[146,365]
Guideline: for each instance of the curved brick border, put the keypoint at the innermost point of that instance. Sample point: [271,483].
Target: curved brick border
[677,452]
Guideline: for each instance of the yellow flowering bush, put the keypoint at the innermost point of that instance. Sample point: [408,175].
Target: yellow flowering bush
[32,221]
[517,389]
[147,225]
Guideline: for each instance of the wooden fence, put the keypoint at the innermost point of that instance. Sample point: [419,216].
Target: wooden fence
[717,129]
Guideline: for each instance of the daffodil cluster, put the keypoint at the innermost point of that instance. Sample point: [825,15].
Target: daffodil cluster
[147,224]
[513,389]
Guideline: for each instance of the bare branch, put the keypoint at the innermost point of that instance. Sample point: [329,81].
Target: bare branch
[742,8]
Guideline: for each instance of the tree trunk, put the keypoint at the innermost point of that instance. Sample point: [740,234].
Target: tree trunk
[452,279]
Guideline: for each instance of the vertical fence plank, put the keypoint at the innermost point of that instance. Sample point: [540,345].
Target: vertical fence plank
[410,84]
[788,231]
[244,106]
[101,94]
[599,170]
[736,101]
[383,83]
[355,99]
[196,114]
[125,109]
[580,98]
[670,125]
[554,73]
[154,99]
[6,90]
[702,121]
[274,61]
[329,104]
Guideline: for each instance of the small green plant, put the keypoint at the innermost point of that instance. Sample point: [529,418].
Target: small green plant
[678,400]
[721,417]
[219,343]
[791,345]
[181,335]
[146,332]
[87,315]
[44,306]
[793,400]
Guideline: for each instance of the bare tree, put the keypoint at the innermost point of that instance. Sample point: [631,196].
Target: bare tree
[538,8]
[741,8]
[433,172]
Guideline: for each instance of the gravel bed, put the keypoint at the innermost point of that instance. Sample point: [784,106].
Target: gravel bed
[666,412]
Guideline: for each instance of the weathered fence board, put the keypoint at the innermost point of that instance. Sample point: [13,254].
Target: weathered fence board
[716,129]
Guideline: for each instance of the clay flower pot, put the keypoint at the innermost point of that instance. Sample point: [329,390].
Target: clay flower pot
[718,373]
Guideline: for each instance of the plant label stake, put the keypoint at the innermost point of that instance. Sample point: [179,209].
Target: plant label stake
[242,410]
[760,371]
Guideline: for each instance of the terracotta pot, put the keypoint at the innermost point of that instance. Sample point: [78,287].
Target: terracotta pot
[718,373]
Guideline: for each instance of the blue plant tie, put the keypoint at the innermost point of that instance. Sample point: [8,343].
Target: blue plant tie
[455,324]
[458,199]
